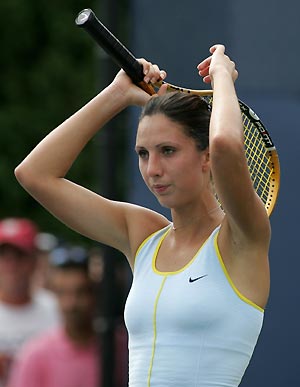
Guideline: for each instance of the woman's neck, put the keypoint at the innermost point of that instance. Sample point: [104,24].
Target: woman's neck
[197,218]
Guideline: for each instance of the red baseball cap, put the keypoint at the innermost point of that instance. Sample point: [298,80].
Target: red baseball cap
[19,232]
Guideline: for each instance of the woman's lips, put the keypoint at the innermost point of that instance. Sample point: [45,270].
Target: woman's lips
[160,188]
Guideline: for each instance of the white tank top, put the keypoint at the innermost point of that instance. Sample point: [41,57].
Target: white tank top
[191,327]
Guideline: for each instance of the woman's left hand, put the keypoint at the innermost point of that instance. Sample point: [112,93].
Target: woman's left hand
[217,63]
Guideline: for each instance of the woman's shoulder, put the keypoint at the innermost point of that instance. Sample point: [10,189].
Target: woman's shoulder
[139,215]
[142,222]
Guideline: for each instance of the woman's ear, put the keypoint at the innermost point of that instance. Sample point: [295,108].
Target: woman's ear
[206,161]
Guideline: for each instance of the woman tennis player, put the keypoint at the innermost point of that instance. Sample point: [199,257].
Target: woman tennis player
[200,282]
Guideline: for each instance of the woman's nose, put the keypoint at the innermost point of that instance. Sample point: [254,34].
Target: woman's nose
[154,167]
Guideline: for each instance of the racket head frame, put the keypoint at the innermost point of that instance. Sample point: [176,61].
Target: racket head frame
[260,150]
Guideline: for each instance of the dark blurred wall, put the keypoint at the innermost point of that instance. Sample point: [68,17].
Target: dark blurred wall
[263,39]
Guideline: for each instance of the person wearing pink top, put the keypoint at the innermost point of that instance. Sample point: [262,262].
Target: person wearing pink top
[53,360]
[67,356]
[26,310]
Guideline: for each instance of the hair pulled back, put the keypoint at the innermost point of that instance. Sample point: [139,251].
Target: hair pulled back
[188,110]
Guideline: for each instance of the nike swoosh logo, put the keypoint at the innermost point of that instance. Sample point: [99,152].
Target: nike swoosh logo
[197,278]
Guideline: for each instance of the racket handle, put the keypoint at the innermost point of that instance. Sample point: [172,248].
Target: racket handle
[87,20]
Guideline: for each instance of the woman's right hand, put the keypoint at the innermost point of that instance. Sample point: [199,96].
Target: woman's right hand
[136,95]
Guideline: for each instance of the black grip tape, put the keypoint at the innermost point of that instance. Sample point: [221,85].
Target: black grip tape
[87,20]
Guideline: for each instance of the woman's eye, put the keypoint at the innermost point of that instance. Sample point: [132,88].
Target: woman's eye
[142,154]
[168,151]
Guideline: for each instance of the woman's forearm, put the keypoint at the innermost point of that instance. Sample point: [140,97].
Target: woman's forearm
[226,119]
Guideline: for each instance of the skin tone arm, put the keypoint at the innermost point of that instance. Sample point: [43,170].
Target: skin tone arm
[42,173]
[245,233]
[242,206]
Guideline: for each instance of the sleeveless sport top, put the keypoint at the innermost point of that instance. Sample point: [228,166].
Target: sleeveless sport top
[190,327]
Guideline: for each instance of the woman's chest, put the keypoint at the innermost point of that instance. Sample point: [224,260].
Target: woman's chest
[174,257]
[192,298]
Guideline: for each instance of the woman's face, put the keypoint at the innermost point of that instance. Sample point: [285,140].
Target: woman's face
[173,168]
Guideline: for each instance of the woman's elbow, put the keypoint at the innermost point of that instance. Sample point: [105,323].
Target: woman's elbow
[24,175]
[224,145]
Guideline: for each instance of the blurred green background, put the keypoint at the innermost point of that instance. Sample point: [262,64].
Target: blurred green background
[49,69]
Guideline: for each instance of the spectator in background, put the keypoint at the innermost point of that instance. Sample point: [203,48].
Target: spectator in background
[24,312]
[68,356]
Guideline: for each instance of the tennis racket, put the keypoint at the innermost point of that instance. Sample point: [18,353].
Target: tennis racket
[261,154]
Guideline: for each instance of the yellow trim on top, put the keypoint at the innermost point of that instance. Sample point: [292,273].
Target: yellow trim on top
[239,294]
[155,330]
[144,242]
[176,271]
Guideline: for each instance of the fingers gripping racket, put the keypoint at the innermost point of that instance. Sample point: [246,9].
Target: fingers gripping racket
[261,154]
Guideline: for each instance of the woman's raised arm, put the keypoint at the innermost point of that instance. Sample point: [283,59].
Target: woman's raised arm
[43,171]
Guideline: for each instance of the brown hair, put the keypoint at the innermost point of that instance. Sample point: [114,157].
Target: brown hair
[188,110]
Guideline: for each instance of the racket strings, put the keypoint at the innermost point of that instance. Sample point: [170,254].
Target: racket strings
[259,159]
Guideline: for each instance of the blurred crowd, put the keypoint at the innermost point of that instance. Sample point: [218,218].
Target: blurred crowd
[50,300]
